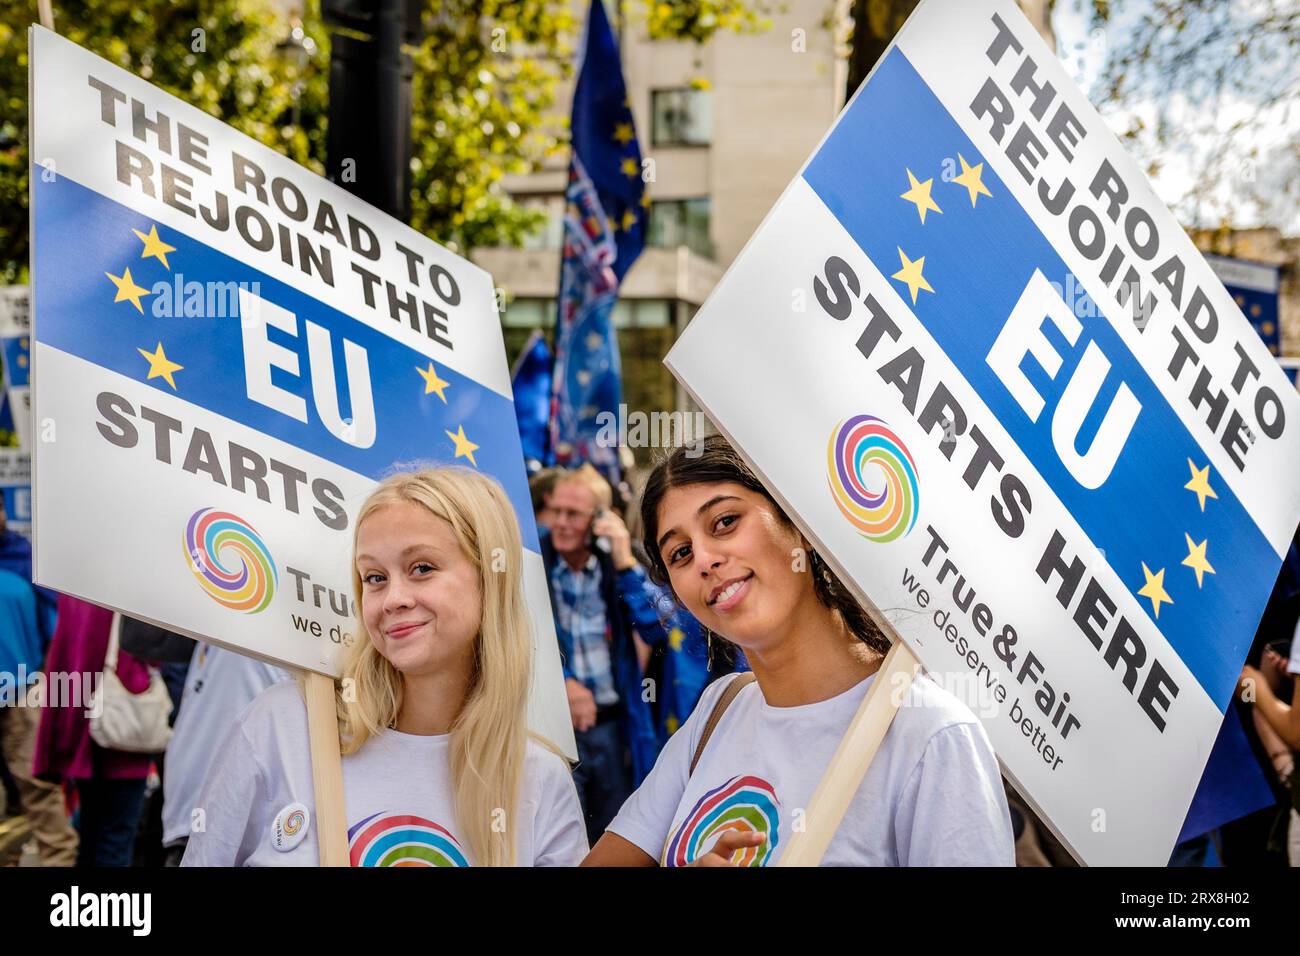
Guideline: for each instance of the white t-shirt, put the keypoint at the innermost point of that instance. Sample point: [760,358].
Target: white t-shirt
[397,790]
[218,686]
[932,796]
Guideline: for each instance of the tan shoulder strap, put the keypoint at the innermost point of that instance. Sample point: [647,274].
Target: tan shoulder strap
[720,708]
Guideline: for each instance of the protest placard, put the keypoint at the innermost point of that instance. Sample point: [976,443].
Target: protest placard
[988,373]
[16,489]
[229,353]
[15,357]
[1256,289]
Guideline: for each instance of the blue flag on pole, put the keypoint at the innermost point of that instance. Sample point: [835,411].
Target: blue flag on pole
[531,383]
[604,232]
[1233,784]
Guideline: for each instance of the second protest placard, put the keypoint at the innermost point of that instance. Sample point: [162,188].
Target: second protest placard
[985,369]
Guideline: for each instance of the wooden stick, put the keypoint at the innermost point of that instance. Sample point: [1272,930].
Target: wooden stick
[830,801]
[326,770]
[46,10]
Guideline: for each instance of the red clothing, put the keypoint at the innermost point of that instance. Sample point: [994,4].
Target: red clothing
[63,745]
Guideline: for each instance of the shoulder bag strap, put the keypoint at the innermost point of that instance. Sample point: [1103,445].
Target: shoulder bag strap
[720,708]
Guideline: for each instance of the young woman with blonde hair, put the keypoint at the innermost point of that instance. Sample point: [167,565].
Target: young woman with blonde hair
[438,767]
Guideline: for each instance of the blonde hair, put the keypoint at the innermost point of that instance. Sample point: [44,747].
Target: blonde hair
[589,478]
[489,736]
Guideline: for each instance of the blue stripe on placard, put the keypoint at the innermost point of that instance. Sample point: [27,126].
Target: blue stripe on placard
[978,261]
[17,360]
[81,238]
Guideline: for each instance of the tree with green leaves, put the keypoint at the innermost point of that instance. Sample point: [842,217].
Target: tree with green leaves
[218,55]
[485,80]
[484,90]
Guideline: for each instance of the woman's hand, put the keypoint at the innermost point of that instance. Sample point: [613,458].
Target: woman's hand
[731,841]
[1248,684]
[1273,666]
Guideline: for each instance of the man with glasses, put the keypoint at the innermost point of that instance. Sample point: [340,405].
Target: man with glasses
[597,591]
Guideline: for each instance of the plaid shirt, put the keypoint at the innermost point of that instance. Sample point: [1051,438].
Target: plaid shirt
[581,614]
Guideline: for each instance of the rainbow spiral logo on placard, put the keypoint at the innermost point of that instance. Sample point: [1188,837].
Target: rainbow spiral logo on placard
[293,823]
[403,840]
[230,561]
[862,451]
[742,803]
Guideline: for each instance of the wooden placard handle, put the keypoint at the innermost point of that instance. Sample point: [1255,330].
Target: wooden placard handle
[326,769]
[45,10]
[830,801]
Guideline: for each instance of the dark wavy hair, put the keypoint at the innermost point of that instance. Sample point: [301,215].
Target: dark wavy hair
[717,462]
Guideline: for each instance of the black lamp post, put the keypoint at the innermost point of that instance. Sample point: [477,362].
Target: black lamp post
[369,144]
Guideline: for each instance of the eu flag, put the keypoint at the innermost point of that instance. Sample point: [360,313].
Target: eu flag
[531,383]
[604,231]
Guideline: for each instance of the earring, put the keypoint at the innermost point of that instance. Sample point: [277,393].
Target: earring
[708,643]
[822,570]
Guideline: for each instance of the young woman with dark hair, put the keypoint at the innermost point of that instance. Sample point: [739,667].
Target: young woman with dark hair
[932,796]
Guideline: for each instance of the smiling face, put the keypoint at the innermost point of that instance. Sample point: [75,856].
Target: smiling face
[421,599]
[731,560]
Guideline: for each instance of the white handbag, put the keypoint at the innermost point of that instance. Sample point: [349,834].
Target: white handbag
[121,720]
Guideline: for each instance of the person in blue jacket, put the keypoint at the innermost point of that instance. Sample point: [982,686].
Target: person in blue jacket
[16,558]
[600,595]
[27,617]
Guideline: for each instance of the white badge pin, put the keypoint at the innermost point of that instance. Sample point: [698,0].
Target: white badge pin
[289,827]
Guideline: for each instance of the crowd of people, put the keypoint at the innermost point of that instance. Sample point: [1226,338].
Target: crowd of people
[712,662]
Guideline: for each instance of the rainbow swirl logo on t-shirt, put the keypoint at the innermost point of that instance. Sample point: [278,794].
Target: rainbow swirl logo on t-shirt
[293,822]
[230,561]
[403,840]
[864,453]
[748,804]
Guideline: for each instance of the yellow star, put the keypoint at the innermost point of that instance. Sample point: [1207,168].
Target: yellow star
[1155,589]
[1196,559]
[670,722]
[432,383]
[623,133]
[127,290]
[675,638]
[911,274]
[629,167]
[645,200]
[161,366]
[919,194]
[1200,483]
[153,246]
[629,219]
[970,178]
[464,447]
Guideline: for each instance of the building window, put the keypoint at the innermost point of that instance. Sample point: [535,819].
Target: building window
[681,118]
[550,234]
[681,222]
[529,314]
[645,334]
